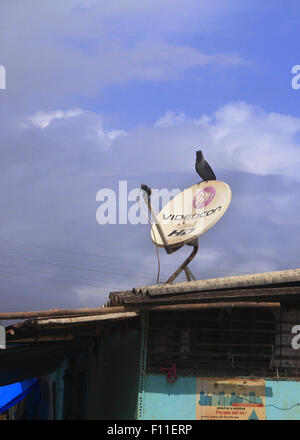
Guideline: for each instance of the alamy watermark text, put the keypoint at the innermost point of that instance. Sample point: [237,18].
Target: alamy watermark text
[2,78]
[296,79]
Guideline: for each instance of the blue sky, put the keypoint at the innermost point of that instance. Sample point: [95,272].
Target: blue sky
[263,34]
[96,92]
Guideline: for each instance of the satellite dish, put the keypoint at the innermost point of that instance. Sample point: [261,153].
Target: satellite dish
[191,213]
[187,216]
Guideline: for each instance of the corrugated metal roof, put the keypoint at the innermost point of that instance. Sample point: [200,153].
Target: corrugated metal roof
[165,292]
[36,346]
[251,280]
[63,330]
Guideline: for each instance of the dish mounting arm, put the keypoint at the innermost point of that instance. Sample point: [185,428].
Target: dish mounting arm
[184,266]
[147,198]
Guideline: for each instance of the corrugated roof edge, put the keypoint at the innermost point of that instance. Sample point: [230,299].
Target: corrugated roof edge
[240,281]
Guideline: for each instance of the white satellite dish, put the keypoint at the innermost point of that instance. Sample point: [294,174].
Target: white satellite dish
[191,213]
[187,216]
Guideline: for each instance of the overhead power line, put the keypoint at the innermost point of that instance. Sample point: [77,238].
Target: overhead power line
[36,260]
[202,268]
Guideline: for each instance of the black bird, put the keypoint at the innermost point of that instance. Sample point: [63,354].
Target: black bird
[203,168]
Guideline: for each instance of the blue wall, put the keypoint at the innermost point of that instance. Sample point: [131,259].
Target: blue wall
[57,377]
[283,403]
[162,400]
[165,401]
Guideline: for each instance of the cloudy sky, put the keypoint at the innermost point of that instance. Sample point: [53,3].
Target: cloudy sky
[103,91]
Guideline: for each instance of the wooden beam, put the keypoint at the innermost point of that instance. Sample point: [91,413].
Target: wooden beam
[60,313]
[217,305]
[40,339]
[84,319]
[110,313]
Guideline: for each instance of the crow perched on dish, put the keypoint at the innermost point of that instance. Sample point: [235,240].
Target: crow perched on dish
[203,168]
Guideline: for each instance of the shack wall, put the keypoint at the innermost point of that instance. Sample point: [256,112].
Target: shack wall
[163,396]
[101,382]
[165,401]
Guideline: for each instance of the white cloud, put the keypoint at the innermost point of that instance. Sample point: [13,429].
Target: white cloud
[169,119]
[88,126]
[252,140]
[160,60]
[107,137]
[72,49]
[237,137]
[114,134]
[43,119]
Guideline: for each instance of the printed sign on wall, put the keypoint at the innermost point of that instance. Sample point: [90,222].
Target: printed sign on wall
[230,399]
